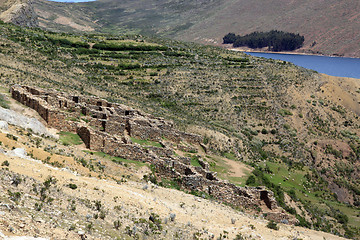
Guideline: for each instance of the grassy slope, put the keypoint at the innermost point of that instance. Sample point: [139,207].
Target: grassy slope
[331,24]
[235,101]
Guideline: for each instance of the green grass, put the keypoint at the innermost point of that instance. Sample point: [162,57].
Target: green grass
[68,138]
[284,112]
[146,142]
[297,180]
[229,155]
[170,184]
[3,102]
[195,161]
[137,164]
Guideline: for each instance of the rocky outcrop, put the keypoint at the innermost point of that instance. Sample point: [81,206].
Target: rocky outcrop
[22,14]
[109,127]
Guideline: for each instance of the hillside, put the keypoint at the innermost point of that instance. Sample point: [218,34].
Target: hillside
[79,202]
[263,122]
[329,27]
[18,12]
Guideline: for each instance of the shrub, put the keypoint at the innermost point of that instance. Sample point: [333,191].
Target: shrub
[284,112]
[272,225]
[72,186]
[5,163]
[10,136]
[251,180]
[117,224]
[3,102]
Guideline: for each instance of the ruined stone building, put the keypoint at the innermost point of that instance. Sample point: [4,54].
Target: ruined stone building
[109,127]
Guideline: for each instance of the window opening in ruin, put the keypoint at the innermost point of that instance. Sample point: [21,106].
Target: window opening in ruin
[188,172]
[128,128]
[60,104]
[127,113]
[76,99]
[99,103]
[103,125]
[265,197]
[210,176]
[83,111]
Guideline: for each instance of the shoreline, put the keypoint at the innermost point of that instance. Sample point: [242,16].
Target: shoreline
[249,50]
[286,55]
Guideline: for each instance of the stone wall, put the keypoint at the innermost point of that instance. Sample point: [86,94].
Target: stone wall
[63,112]
[107,127]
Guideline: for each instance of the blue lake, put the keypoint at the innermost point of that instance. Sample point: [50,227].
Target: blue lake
[72,1]
[334,66]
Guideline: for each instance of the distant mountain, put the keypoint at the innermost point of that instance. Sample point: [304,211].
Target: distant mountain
[330,27]
[20,12]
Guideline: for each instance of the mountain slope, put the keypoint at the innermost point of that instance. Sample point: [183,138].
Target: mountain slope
[329,27]
[61,212]
[297,130]
[18,12]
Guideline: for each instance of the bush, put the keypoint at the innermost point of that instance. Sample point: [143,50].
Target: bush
[5,163]
[284,112]
[72,186]
[3,102]
[251,180]
[117,224]
[272,225]
[273,131]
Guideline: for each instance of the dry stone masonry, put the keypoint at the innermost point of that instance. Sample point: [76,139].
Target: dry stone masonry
[109,127]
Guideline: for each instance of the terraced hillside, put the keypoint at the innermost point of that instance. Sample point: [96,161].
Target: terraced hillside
[298,131]
[330,27]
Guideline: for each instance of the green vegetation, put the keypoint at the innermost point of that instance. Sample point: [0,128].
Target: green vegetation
[72,186]
[12,137]
[195,161]
[274,40]
[189,19]
[5,163]
[146,142]
[174,184]
[284,112]
[306,187]
[4,103]
[119,160]
[272,225]
[68,138]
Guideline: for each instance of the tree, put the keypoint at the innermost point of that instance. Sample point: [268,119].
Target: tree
[274,40]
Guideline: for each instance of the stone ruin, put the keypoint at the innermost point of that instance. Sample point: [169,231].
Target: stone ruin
[109,127]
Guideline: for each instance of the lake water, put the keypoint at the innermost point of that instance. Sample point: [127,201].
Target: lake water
[72,1]
[334,66]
